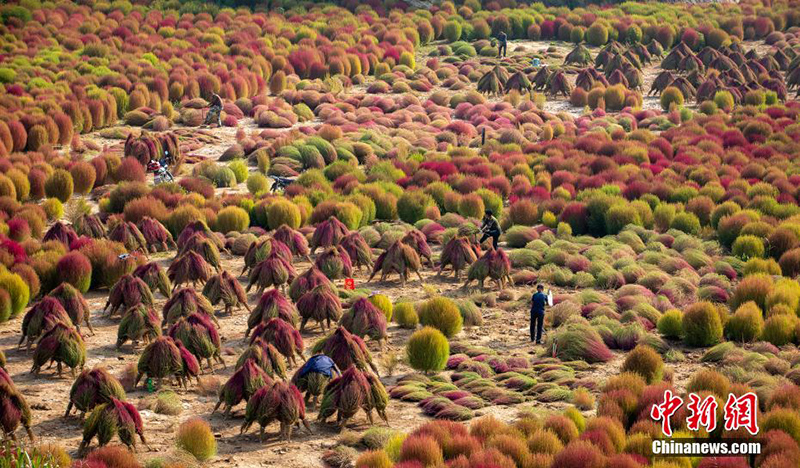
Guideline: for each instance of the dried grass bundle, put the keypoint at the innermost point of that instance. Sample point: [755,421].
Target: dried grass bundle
[242,385]
[458,253]
[91,388]
[154,277]
[280,402]
[128,292]
[185,302]
[156,235]
[322,305]
[272,304]
[189,268]
[283,336]
[226,289]
[357,248]
[273,271]
[114,418]
[399,258]
[61,344]
[138,323]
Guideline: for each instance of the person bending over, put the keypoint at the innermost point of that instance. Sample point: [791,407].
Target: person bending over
[490,228]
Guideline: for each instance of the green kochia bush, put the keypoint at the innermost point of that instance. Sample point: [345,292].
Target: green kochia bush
[701,325]
[405,315]
[411,206]
[59,185]
[644,361]
[443,314]
[428,350]
[232,218]
[746,323]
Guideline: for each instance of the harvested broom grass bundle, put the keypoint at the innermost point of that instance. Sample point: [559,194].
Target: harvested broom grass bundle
[74,304]
[295,240]
[357,248]
[350,392]
[203,246]
[399,258]
[346,350]
[263,248]
[309,280]
[41,318]
[185,302]
[578,341]
[190,267]
[334,262]
[139,323]
[493,82]
[129,291]
[272,304]
[61,344]
[114,418]
[266,356]
[458,253]
[160,359]
[364,319]
[201,227]
[149,146]
[90,225]
[93,387]
[198,333]
[244,382]
[156,235]
[273,271]
[127,234]
[416,239]
[519,81]
[226,289]
[62,233]
[154,277]
[559,84]
[328,233]
[283,336]
[280,402]
[493,264]
[580,56]
[314,376]
[322,305]
[190,366]
[16,411]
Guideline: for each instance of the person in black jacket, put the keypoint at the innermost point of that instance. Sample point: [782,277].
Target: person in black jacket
[538,303]
[502,44]
[490,228]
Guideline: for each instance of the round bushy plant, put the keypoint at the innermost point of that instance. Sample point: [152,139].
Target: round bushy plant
[232,218]
[53,208]
[18,291]
[645,361]
[746,323]
[670,97]
[670,324]
[779,329]
[282,212]
[443,314]
[597,34]
[382,303]
[196,437]
[748,246]
[405,315]
[83,176]
[74,268]
[724,100]
[686,222]
[257,183]
[411,205]
[428,350]
[471,206]
[59,185]
[701,325]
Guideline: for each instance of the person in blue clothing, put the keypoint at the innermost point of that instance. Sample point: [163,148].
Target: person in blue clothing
[502,44]
[538,303]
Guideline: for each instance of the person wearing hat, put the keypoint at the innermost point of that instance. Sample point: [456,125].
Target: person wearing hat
[490,228]
[538,303]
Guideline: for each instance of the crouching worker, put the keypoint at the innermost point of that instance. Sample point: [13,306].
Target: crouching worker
[538,303]
[490,228]
[215,111]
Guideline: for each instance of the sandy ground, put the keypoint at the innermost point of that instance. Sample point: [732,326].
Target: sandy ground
[505,330]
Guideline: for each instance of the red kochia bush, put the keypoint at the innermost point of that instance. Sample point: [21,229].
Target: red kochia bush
[75,269]
[130,169]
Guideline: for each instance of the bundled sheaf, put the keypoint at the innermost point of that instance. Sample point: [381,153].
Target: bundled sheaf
[346,349]
[328,233]
[90,225]
[41,318]
[93,387]
[314,376]
[399,258]
[128,292]
[160,359]
[364,319]
[190,366]
[578,56]
[295,240]
[185,302]
[127,234]
[416,239]
[154,277]
[335,263]
[61,344]
[16,411]
[519,81]
[156,235]
[283,336]
[242,385]
[309,280]
[263,248]
[113,418]
[149,146]
[189,268]
[493,82]
[202,246]
[74,304]
[266,356]
[272,304]
[198,333]
[357,248]
[321,305]
[226,289]
[273,271]
[458,253]
[139,323]
[352,391]
[280,402]
[493,264]
[202,228]
[62,233]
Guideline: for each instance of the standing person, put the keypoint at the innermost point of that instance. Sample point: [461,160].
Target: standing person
[490,228]
[215,111]
[538,303]
[502,44]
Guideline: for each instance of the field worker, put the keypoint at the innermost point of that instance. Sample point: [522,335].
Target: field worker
[538,303]
[215,112]
[502,44]
[490,228]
